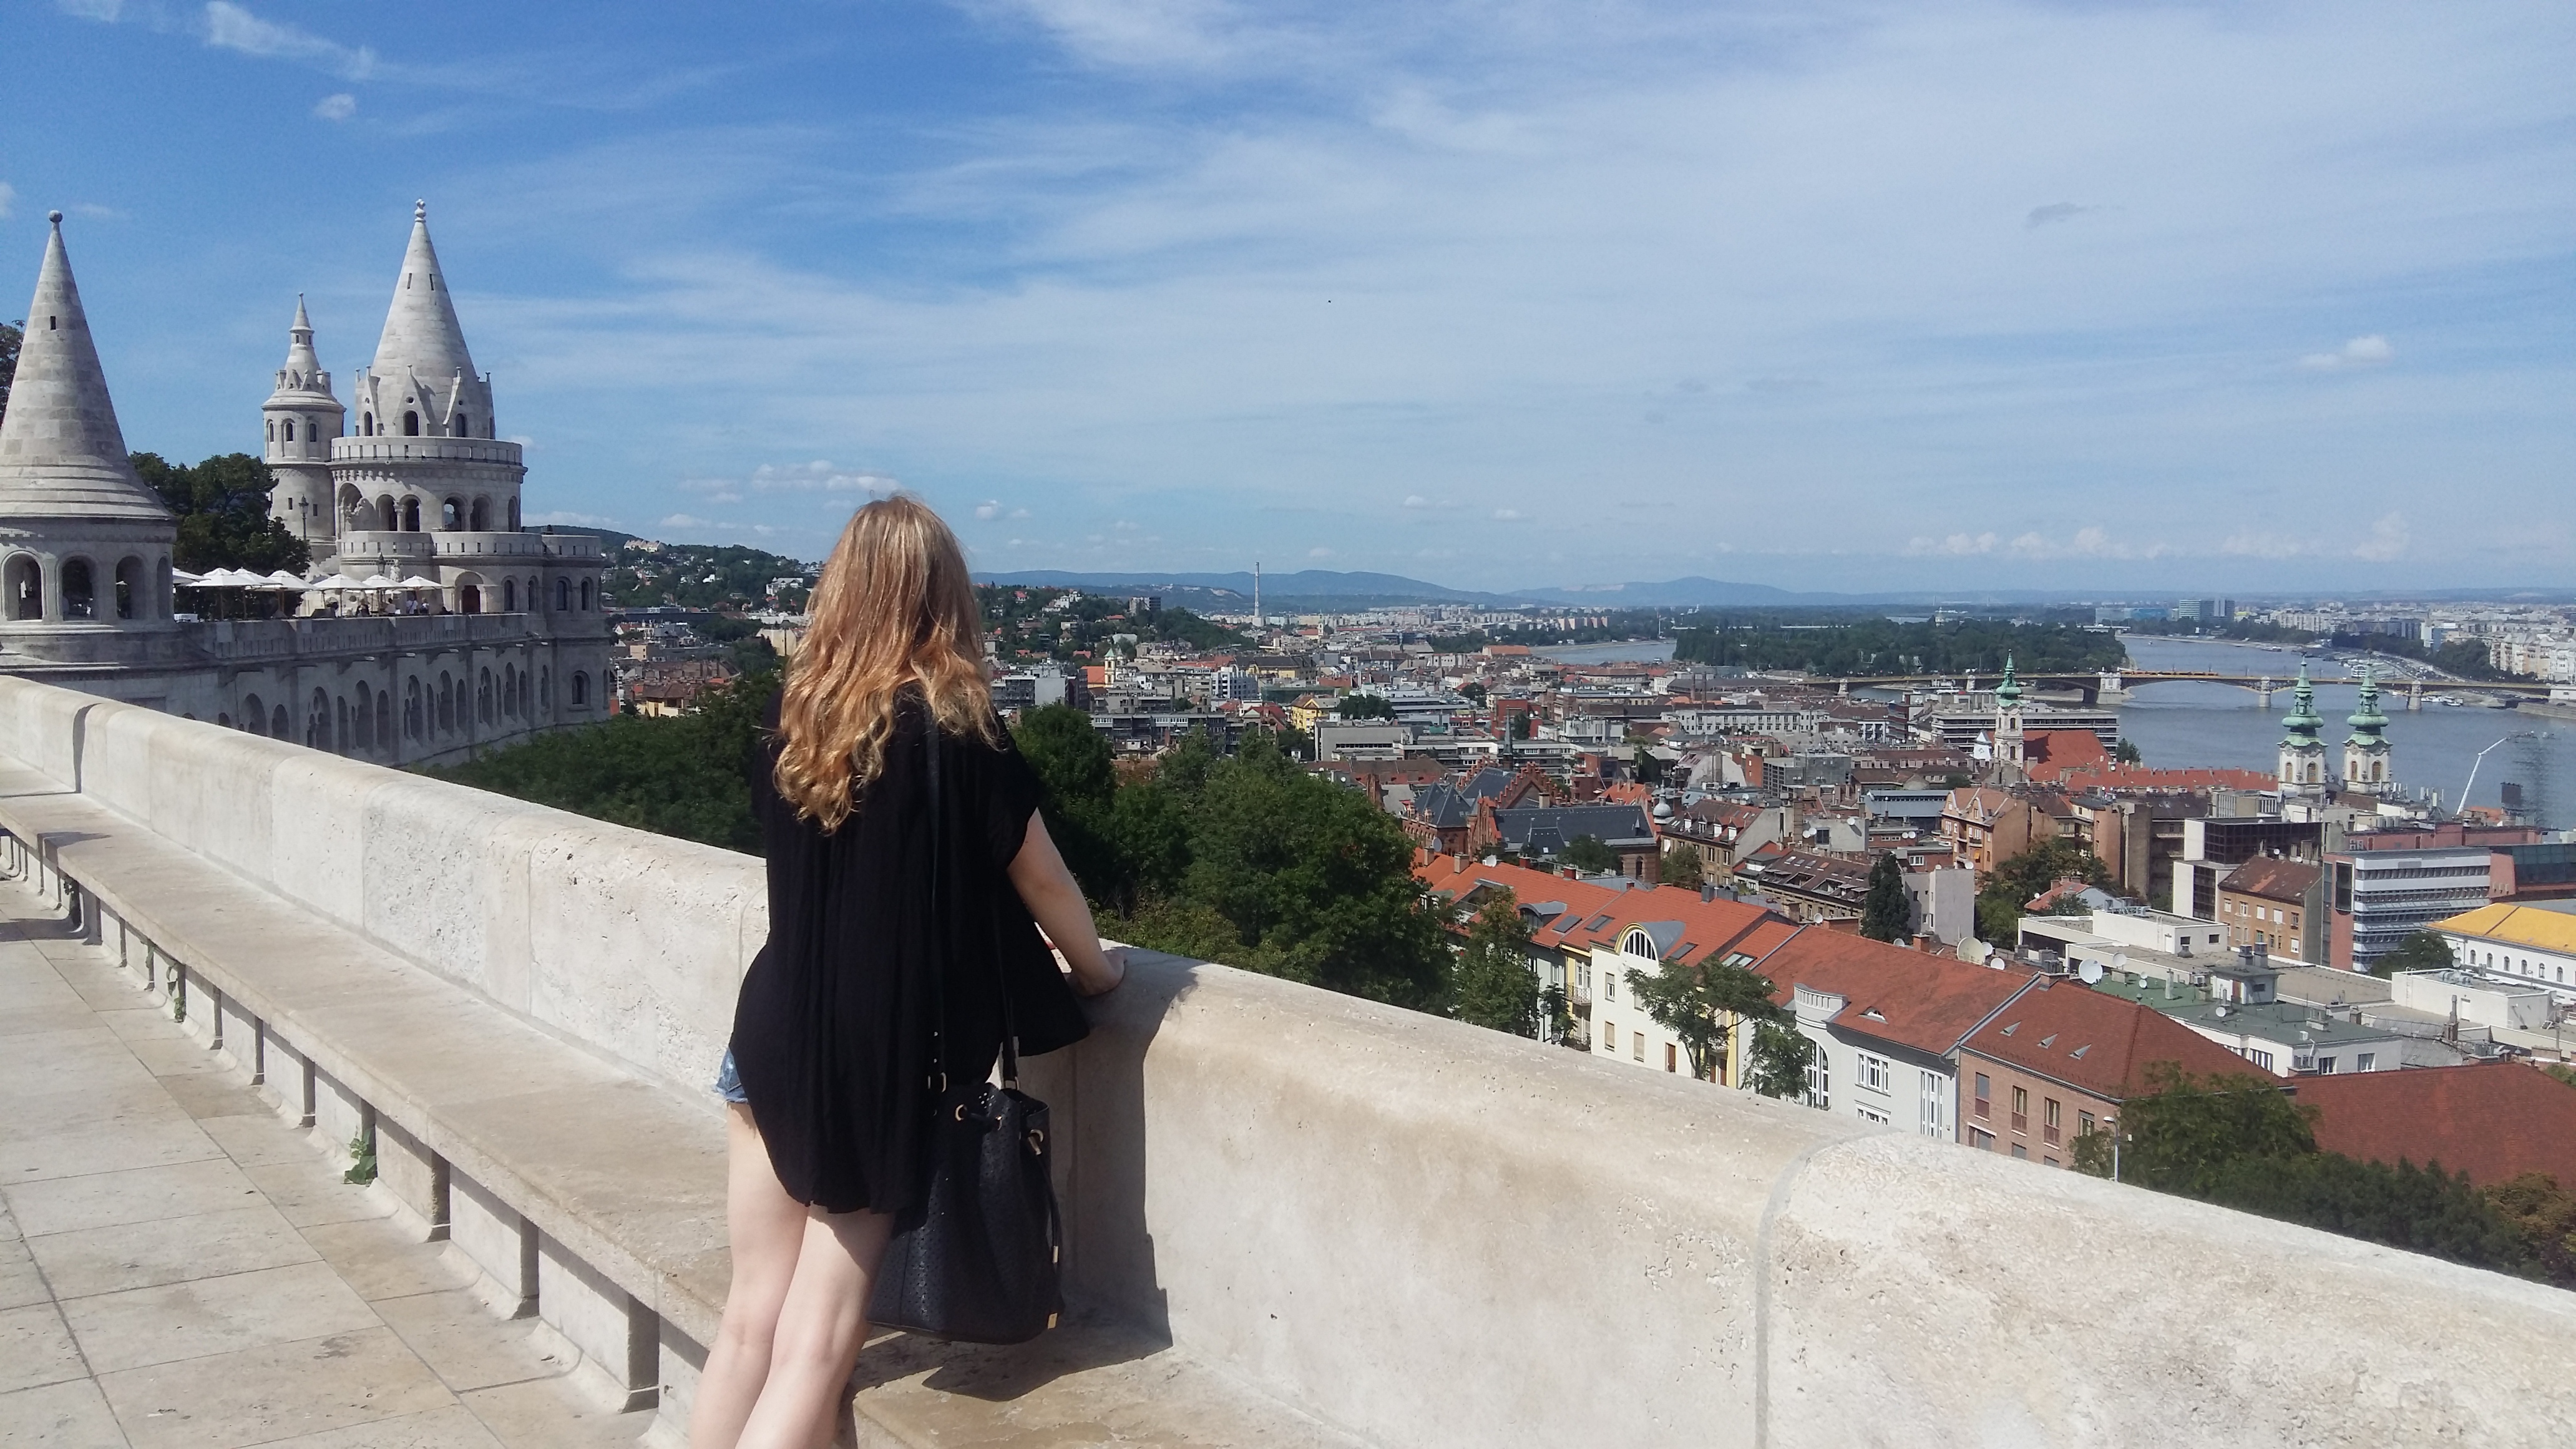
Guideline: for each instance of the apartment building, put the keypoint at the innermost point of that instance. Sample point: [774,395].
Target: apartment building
[2059,1061]
[2276,904]
[1887,1023]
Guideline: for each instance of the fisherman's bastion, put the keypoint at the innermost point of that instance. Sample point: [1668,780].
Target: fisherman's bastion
[432,625]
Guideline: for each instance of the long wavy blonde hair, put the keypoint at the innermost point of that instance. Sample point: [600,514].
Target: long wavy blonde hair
[894,607]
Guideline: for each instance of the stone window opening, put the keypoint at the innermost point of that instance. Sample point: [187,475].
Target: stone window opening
[272,430]
[288,429]
[459,430]
[446,703]
[563,594]
[411,424]
[366,718]
[509,596]
[411,708]
[411,515]
[129,587]
[254,715]
[481,516]
[451,515]
[386,518]
[585,595]
[26,587]
[80,590]
[486,706]
[384,718]
[580,690]
[367,424]
[469,599]
[545,689]
[278,724]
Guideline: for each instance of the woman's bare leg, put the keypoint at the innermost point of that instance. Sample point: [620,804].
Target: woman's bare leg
[768,1231]
[818,1331]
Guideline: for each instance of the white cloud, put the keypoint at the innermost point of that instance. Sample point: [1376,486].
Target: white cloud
[230,27]
[563,519]
[2090,542]
[2367,351]
[2388,539]
[336,108]
[2055,212]
[1508,515]
[1956,544]
[988,510]
[1416,500]
[818,476]
[1319,553]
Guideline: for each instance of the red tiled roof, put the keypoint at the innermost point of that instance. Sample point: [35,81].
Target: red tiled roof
[1913,998]
[2140,777]
[2093,1041]
[2048,753]
[2272,878]
[2492,1120]
[1710,929]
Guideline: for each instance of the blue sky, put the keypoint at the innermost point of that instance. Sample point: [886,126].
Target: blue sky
[2252,296]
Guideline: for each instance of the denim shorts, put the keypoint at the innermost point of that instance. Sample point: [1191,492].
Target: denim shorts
[729,1081]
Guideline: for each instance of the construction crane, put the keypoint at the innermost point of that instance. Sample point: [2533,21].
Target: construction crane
[2482,759]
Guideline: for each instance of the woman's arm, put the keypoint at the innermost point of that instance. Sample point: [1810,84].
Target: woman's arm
[1048,890]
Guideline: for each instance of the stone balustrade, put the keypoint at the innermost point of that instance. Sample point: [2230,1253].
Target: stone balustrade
[1324,1220]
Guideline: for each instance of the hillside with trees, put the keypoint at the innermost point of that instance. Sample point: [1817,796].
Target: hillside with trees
[1881,646]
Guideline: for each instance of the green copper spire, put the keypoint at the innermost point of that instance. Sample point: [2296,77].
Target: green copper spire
[2365,719]
[2303,722]
[2008,693]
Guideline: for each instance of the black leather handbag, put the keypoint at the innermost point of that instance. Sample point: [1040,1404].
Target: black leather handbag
[985,1263]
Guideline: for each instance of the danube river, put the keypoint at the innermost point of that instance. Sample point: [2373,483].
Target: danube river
[2184,723]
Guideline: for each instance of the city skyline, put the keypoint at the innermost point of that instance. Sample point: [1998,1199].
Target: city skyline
[1836,301]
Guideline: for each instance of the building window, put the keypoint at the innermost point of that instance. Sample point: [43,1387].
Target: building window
[2051,1127]
[411,425]
[1820,1080]
[1981,1139]
[1610,1037]
[2261,1059]
[80,596]
[1672,1058]
[563,594]
[1637,1045]
[130,587]
[2367,1061]
[1869,1115]
[2021,1152]
[2083,1124]
[2021,1109]
[1872,1072]
[2325,1066]
[1984,1107]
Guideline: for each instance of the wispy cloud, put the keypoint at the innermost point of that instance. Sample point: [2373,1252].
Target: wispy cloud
[230,27]
[2387,540]
[2368,351]
[1955,545]
[819,476]
[336,108]
[2055,212]
[562,518]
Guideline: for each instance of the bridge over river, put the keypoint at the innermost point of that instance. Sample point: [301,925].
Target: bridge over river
[2112,685]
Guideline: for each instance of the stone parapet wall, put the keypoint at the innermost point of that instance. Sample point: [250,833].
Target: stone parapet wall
[1414,1231]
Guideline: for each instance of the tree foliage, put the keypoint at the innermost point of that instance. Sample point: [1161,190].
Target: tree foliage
[1364,706]
[1884,646]
[1681,866]
[685,775]
[2008,889]
[2240,1141]
[1495,987]
[1781,1056]
[1886,913]
[1698,1004]
[2415,951]
[1589,855]
[224,523]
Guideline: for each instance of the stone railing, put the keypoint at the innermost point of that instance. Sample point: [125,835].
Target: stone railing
[1389,1228]
[329,636]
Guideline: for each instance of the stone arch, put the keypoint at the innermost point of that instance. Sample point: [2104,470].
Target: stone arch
[580,690]
[586,592]
[223,719]
[446,703]
[460,430]
[412,724]
[80,589]
[130,587]
[487,705]
[272,430]
[480,515]
[317,721]
[366,718]
[278,724]
[469,593]
[509,596]
[411,424]
[411,515]
[384,719]
[353,507]
[545,687]
[387,519]
[451,515]
[254,715]
[563,594]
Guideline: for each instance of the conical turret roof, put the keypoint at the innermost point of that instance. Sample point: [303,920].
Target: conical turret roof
[2008,693]
[301,381]
[2366,720]
[61,452]
[2303,721]
[421,336]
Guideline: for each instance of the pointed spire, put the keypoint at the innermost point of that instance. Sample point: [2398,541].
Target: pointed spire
[2303,721]
[2008,693]
[302,328]
[2366,720]
[421,337]
[303,370]
[61,452]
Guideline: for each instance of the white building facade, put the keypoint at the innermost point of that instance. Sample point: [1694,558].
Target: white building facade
[515,638]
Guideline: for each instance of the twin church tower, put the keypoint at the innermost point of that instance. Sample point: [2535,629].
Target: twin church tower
[431,624]
[2303,751]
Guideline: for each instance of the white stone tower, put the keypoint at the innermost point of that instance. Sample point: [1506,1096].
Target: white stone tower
[84,545]
[2008,720]
[301,418]
[2303,754]
[2365,754]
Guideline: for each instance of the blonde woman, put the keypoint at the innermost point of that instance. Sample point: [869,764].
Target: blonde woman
[826,1075]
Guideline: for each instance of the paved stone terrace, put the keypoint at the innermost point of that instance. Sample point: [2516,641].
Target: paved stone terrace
[181,1267]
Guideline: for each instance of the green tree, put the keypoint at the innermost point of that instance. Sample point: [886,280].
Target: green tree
[1364,706]
[2126,753]
[1495,987]
[1699,1003]
[2415,951]
[1474,693]
[11,335]
[224,523]
[1650,770]
[1074,767]
[1886,913]
[687,776]
[2545,1214]
[2420,1209]
[2009,889]
[1588,855]
[2183,1132]
[1781,1056]
[1681,866]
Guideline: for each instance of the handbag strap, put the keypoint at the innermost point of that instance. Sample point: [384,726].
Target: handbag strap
[939,931]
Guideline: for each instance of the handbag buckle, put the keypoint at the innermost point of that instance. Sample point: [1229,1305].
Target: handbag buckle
[1037,1142]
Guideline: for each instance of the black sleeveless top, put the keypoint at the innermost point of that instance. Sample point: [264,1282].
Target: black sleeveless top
[832,1030]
